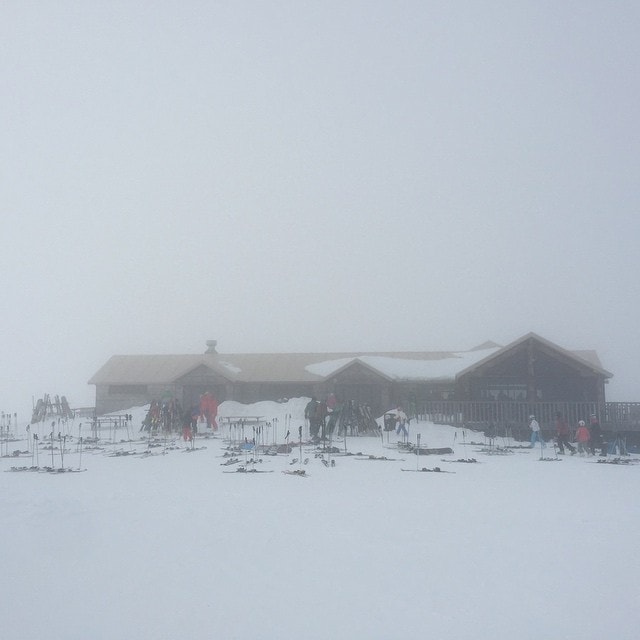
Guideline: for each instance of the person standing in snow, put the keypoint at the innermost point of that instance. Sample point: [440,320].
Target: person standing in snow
[310,415]
[401,418]
[582,438]
[209,409]
[562,434]
[536,433]
[321,419]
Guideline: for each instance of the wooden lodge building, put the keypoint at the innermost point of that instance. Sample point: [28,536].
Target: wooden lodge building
[488,383]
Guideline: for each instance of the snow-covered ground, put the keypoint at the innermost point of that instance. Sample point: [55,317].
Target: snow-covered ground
[168,546]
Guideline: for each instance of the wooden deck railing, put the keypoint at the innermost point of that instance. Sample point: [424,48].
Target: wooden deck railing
[512,417]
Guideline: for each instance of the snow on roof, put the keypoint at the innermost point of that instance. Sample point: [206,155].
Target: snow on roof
[230,367]
[326,368]
[445,368]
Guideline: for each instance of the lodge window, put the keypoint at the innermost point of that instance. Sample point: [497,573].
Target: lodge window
[505,391]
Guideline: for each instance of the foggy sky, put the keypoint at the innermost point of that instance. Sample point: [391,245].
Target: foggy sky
[310,176]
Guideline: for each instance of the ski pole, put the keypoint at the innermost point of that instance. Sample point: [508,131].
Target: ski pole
[53,424]
[418,453]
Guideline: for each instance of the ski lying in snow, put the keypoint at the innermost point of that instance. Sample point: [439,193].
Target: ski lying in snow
[550,459]
[230,462]
[298,472]
[380,458]
[190,449]
[17,454]
[152,454]
[467,460]
[425,470]
[498,452]
[121,454]
[245,470]
[618,461]
[428,452]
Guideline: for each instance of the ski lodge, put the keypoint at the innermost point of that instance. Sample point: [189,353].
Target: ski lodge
[489,383]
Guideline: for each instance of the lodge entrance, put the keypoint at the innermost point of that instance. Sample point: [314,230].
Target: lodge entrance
[191,394]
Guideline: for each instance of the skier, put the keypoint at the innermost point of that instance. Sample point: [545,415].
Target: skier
[582,438]
[209,409]
[562,434]
[536,433]
[310,415]
[401,418]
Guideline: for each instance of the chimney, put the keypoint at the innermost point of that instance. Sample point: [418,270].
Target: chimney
[211,346]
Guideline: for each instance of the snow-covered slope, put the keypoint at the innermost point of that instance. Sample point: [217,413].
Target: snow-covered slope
[169,546]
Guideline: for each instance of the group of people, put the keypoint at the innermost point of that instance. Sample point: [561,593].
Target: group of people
[341,417]
[588,438]
[316,413]
[167,416]
[204,413]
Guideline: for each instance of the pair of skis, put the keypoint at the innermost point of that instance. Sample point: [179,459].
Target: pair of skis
[419,469]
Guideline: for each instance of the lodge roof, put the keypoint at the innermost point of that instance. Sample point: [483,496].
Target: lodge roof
[585,358]
[316,367]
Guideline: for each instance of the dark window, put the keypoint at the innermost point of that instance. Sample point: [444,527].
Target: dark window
[503,391]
